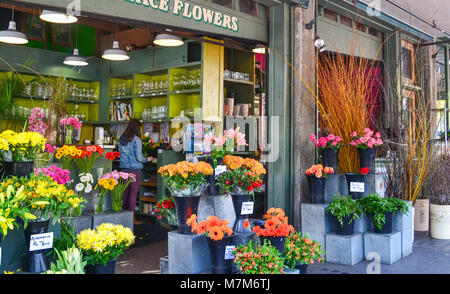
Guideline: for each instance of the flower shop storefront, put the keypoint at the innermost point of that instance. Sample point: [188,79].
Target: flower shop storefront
[70,90]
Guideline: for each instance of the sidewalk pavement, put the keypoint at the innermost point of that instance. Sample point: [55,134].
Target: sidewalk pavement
[430,256]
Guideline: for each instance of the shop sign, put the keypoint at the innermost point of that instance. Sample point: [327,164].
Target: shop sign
[41,241]
[229,252]
[247,208]
[192,11]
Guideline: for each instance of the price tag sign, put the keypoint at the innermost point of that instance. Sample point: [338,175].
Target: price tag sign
[247,208]
[229,252]
[41,241]
[356,187]
[220,169]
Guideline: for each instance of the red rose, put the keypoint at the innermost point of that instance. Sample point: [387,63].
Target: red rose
[364,170]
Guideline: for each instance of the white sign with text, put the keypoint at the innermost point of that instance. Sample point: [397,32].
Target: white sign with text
[229,252]
[356,187]
[247,208]
[41,241]
[220,169]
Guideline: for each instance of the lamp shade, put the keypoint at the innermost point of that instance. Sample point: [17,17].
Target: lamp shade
[115,54]
[12,36]
[57,17]
[75,59]
[167,40]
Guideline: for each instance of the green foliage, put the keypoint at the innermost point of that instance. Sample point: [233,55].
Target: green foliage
[344,206]
[69,261]
[378,206]
[67,237]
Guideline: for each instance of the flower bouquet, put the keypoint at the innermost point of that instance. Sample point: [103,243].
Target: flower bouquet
[86,156]
[186,181]
[149,147]
[328,147]
[219,236]
[276,228]
[301,251]
[223,144]
[101,246]
[258,259]
[36,121]
[316,175]
[69,124]
[366,146]
[19,150]
[104,185]
[166,208]
[66,154]
[121,181]
[60,175]
[11,206]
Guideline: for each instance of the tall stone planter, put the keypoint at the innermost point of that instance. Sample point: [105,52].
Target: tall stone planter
[422,215]
[440,221]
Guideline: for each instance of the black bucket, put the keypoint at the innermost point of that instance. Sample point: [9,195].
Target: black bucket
[185,206]
[277,242]
[302,268]
[348,227]
[330,158]
[212,188]
[316,189]
[220,265]
[240,218]
[19,169]
[36,261]
[100,269]
[355,178]
[387,227]
[367,158]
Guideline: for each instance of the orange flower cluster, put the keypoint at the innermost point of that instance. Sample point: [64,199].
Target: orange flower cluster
[236,162]
[88,151]
[276,224]
[318,170]
[185,169]
[212,227]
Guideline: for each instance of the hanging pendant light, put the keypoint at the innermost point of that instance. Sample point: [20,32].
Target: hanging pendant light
[260,49]
[11,35]
[75,59]
[57,17]
[115,54]
[167,40]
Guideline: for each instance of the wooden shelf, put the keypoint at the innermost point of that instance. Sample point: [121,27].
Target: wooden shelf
[242,82]
[150,199]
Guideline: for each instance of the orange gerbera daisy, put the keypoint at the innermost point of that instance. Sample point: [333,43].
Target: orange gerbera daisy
[246,224]
[192,222]
[269,224]
[202,227]
[215,233]
[213,221]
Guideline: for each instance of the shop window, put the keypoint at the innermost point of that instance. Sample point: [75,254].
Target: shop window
[359,26]
[248,6]
[406,63]
[330,14]
[373,32]
[347,21]
[226,3]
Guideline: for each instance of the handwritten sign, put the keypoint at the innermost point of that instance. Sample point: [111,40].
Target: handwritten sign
[220,169]
[247,208]
[41,241]
[229,252]
[356,187]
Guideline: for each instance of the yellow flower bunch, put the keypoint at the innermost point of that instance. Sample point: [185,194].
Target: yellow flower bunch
[24,146]
[27,139]
[4,146]
[186,169]
[7,135]
[68,151]
[107,184]
[105,242]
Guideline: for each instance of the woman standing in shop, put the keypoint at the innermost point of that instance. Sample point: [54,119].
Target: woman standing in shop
[132,161]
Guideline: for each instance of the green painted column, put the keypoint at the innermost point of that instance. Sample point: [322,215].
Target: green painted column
[279,104]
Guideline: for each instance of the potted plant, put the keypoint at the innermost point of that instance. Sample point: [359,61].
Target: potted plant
[382,211]
[276,228]
[117,182]
[328,147]
[102,245]
[258,259]
[166,209]
[46,200]
[345,211]
[317,175]
[366,146]
[241,180]
[19,151]
[356,182]
[149,147]
[437,188]
[69,261]
[220,241]
[301,250]
[219,147]
[186,181]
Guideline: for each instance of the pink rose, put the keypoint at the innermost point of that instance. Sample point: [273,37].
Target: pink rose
[368,131]
[330,137]
[323,141]
[379,142]
[338,139]
[312,137]
[353,143]
[353,134]
[370,144]
[377,135]
[334,143]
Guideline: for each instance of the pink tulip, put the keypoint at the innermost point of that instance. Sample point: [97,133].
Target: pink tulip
[230,134]
[240,140]
[220,141]
[209,138]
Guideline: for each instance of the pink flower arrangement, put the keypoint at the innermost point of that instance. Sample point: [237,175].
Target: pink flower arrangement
[36,122]
[225,143]
[330,141]
[50,148]
[368,140]
[71,121]
[116,175]
[61,176]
